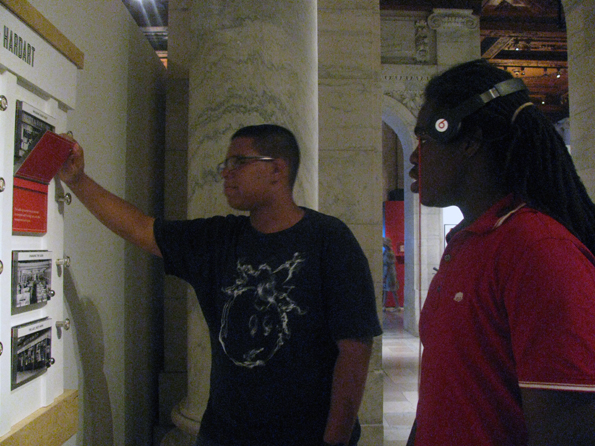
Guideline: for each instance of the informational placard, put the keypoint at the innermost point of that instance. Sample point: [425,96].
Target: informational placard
[31,279]
[31,351]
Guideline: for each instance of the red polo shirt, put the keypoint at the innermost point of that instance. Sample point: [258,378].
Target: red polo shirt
[511,306]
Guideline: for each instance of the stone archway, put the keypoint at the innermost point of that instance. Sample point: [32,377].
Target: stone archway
[402,121]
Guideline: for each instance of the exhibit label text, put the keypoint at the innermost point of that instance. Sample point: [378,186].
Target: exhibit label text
[18,46]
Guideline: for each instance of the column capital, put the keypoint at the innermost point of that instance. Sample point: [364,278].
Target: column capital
[453,19]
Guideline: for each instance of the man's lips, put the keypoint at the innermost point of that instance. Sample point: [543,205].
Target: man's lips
[414,173]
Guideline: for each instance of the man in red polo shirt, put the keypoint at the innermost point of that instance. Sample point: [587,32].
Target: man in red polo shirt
[508,324]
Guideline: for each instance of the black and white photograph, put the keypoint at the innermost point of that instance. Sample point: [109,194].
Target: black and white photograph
[31,124]
[31,278]
[31,351]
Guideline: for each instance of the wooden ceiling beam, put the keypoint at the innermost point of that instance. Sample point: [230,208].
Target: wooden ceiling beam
[562,64]
[498,46]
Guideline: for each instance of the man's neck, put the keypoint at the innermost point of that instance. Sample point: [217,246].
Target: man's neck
[276,219]
[476,207]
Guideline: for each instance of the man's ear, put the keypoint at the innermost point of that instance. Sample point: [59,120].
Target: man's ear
[280,169]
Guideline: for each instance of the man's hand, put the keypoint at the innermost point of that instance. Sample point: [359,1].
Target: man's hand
[349,380]
[74,167]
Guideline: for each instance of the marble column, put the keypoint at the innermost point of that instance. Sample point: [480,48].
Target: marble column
[580,16]
[457,35]
[351,150]
[248,63]
[255,62]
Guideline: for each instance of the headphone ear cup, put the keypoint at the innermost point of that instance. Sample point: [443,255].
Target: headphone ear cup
[443,127]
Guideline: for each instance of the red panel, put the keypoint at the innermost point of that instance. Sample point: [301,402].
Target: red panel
[394,228]
[29,207]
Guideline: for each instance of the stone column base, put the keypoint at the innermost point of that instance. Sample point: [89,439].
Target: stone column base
[177,437]
[186,431]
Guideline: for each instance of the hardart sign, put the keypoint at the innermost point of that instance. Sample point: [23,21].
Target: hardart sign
[18,46]
[26,54]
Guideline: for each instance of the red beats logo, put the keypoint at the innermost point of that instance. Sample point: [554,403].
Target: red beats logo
[442,125]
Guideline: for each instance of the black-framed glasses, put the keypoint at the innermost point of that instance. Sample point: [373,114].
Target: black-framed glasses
[236,161]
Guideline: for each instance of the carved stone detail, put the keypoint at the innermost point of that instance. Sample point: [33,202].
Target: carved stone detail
[406,88]
[422,41]
[452,19]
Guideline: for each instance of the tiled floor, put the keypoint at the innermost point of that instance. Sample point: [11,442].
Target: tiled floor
[400,358]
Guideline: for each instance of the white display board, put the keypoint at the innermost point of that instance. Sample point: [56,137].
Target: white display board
[33,72]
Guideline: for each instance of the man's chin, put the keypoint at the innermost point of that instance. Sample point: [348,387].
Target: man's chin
[237,206]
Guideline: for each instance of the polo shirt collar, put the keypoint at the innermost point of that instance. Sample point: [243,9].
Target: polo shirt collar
[492,219]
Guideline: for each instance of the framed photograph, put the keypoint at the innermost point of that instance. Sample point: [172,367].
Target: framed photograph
[31,124]
[31,279]
[31,351]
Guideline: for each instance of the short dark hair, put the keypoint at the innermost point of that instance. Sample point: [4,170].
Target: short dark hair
[274,141]
[527,154]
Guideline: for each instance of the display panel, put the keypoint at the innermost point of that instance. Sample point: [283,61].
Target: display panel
[31,351]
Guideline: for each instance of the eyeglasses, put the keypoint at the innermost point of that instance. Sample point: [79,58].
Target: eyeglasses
[234,162]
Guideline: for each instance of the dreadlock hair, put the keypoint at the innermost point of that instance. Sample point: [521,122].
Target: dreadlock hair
[274,141]
[527,154]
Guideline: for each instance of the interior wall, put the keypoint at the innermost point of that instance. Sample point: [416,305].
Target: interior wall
[350,151]
[580,16]
[110,289]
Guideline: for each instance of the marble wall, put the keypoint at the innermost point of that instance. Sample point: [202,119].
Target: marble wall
[580,16]
[350,149]
[254,63]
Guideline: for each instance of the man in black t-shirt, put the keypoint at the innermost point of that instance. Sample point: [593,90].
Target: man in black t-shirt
[286,293]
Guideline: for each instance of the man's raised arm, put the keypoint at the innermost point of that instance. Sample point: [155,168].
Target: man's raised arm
[118,215]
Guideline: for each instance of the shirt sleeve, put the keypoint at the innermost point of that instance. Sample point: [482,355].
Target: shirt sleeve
[348,287]
[550,299]
[171,237]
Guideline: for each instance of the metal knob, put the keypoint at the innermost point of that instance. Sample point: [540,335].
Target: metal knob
[1,266]
[63,262]
[1,348]
[2,184]
[3,103]
[66,198]
[51,293]
[65,324]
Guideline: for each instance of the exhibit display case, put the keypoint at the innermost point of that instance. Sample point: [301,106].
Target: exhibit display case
[37,90]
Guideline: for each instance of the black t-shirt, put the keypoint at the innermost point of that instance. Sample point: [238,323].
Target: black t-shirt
[275,305]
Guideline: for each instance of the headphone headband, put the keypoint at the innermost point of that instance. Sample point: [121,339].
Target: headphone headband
[445,124]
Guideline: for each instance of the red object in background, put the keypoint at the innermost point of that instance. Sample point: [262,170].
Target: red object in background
[31,179]
[394,228]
